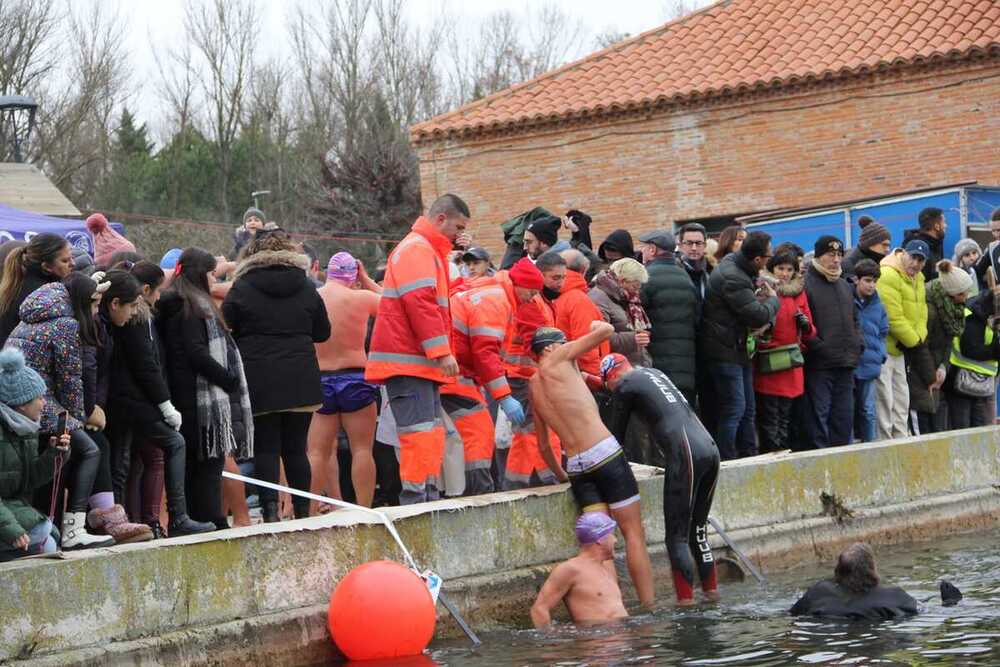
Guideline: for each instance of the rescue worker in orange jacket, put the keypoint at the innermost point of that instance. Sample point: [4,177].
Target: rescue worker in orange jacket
[411,345]
[483,320]
[574,311]
[524,465]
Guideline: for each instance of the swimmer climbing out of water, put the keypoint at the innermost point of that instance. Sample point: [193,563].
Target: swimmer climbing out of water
[596,467]
[587,582]
[691,471]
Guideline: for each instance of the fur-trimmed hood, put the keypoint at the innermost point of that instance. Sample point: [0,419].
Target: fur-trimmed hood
[792,288]
[279,273]
[272,258]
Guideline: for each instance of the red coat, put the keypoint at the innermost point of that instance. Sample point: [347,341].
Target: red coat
[790,383]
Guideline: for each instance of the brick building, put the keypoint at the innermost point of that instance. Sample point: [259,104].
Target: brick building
[746,105]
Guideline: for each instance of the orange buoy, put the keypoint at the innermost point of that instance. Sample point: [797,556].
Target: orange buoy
[381,610]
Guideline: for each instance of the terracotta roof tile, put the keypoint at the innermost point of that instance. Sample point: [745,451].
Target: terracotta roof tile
[739,45]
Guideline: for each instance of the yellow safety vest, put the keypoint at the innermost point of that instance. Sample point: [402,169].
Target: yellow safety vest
[958,359]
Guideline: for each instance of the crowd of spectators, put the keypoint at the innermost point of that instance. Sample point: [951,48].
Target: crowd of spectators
[126,381]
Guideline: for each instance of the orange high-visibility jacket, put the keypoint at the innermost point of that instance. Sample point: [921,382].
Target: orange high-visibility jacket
[483,323]
[574,312]
[528,318]
[413,325]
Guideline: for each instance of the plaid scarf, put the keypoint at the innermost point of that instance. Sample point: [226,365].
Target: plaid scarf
[225,421]
[631,302]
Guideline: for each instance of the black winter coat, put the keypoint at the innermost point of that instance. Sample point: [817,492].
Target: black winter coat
[672,306]
[699,280]
[838,341]
[97,370]
[33,279]
[138,385]
[731,310]
[276,317]
[185,343]
[937,251]
[972,342]
[856,256]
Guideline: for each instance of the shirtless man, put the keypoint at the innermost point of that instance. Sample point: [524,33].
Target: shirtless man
[351,297]
[599,474]
[587,582]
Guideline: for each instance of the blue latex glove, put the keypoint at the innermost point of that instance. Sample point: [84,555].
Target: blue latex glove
[513,410]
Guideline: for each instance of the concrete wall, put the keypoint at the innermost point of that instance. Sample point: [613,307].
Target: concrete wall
[825,143]
[240,585]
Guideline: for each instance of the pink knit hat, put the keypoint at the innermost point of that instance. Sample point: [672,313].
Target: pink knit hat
[106,240]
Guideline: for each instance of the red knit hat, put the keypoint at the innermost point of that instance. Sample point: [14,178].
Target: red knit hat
[106,240]
[525,274]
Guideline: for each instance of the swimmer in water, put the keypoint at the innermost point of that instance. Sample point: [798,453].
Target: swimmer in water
[587,582]
[691,471]
[855,592]
[598,471]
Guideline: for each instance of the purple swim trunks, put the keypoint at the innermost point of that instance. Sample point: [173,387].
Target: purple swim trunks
[346,391]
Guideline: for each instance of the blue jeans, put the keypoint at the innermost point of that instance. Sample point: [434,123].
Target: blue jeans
[734,398]
[864,410]
[40,541]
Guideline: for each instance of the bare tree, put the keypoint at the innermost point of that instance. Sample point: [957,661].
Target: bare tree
[223,34]
[609,37]
[675,9]
[76,122]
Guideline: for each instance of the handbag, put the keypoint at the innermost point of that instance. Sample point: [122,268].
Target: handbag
[781,358]
[974,385]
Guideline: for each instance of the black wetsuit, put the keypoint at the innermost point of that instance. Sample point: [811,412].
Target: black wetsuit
[692,469]
[829,599]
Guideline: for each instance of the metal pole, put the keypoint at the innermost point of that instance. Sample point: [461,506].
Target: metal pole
[386,521]
[739,554]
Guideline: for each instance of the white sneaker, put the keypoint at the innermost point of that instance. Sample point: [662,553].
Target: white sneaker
[75,535]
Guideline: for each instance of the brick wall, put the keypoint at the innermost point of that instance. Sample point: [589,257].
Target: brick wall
[835,142]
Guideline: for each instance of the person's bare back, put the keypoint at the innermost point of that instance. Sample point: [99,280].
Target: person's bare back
[348,310]
[587,583]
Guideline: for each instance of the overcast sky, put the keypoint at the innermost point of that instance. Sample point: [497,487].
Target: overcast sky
[161,22]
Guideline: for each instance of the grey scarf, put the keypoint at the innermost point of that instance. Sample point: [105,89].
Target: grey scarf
[220,415]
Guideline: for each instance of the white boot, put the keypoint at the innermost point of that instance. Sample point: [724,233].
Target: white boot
[75,535]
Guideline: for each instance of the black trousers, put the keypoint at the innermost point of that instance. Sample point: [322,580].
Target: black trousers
[280,437]
[773,417]
[203,478]
[831,406]
[966,412]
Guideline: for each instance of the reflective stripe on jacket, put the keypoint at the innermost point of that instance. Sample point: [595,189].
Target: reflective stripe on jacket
[958,359]
[413,325]
[483,326]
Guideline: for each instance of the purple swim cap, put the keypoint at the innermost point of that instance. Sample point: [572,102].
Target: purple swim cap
[591,527]
[343,268]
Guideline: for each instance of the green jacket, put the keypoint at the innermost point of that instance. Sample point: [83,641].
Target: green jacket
[905,300]
[22,470]
[672,306]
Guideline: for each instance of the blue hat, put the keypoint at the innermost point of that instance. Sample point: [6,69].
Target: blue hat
[169,261]
[18,383]
[918,247]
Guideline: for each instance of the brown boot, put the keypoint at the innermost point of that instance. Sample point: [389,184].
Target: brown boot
[115,523]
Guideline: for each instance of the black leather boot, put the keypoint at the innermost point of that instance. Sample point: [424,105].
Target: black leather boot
[269,509]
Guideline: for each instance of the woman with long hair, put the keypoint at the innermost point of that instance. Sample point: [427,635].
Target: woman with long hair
[141,410]
[207,382]
[46,258]
[57,321]
[276,317]
[730,241]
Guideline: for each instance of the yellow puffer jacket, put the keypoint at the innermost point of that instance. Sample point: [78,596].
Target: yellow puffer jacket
[905,301]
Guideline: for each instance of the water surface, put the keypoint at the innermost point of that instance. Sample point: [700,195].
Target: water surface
[751,626]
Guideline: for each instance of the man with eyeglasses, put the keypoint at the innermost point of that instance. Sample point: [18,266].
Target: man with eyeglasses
[692,240]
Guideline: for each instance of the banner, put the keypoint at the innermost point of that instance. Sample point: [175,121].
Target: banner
[17,225]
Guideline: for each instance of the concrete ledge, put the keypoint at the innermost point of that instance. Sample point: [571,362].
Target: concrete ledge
[225,593]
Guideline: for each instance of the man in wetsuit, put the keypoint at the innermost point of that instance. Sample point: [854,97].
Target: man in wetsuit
[855,591]
[691,471]
[588,582]
[598,472]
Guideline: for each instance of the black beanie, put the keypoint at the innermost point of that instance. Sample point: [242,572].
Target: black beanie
[546,229]
[827,244]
